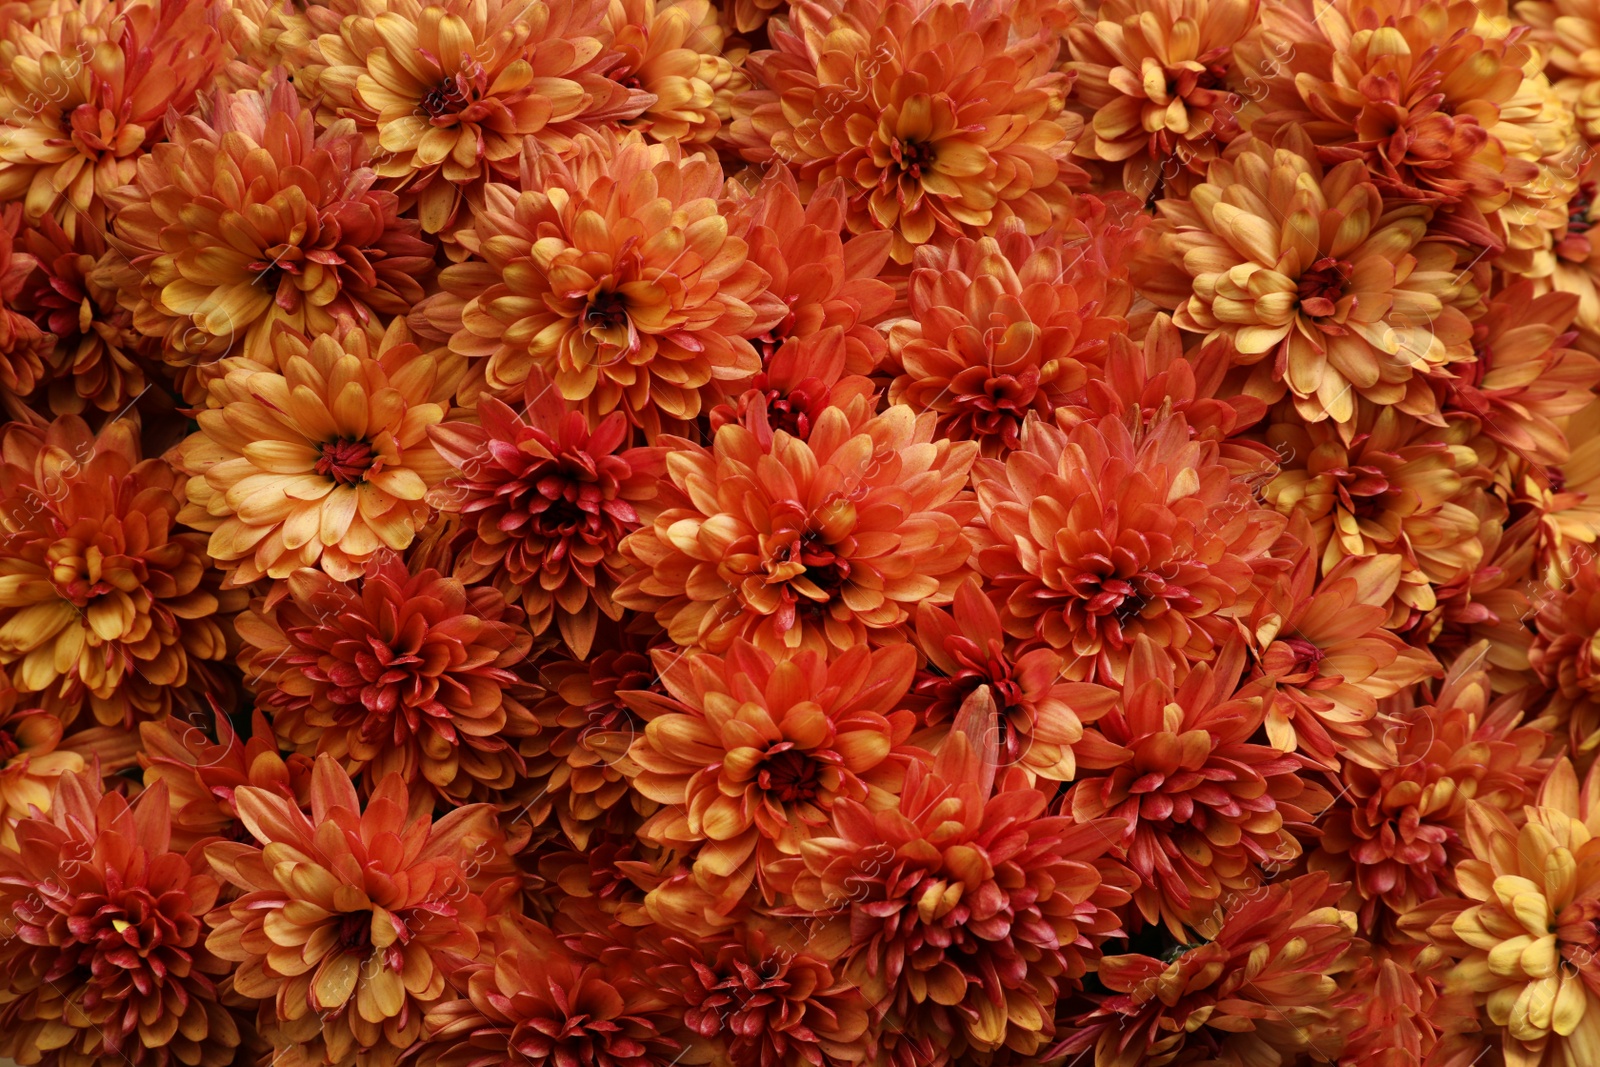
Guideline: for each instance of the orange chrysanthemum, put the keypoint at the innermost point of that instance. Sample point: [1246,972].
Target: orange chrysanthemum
[89,88]
[101,953]
[1566,655]
[395,673]
[547,498]
[1090,538]
[1394,834]
[938,120]
[253,220]
[1327,658]
[1150,74]
[320,457]
[1324,291]
[823,543]
[106,606]
[350,918]
[1204,808]
[1399,487]
[970,911]
[749,756]
[616,277]
[23,345]
[448,92]
[1002,327]
[673,50]
[1263,991]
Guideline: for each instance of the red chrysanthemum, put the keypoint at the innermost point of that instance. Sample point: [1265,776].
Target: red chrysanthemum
[101,953]
[350,918]
[547,497]
[969,911]
[395,673]
[1203,807]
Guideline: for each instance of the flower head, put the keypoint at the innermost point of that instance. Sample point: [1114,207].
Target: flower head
[616,276]
[350,917]
[319,458]
[395,673]
[102,953]
[31,761]
[1091,538]
[550,498]
[938,123]
[105,604]
[749,756]
[819,544]
[252,220]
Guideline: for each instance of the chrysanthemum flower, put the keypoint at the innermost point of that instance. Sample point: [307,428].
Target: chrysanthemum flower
[447,93]
[616,276]
[1566,655]
[1567,496]
[547,497]
[672,49]
[578,763]
[31,760]
[1526,937]
[1041,715]
[1263,991]
[101,954]
[252,220]
[395,673]
[970,911]
[828,281]
[768,1002]
[89,90]
[95,361]
[1326,657]
[1394,835]
[1400,487]
[1203,808]
[1525,379]
[104,604]
[1001,327]
[1399,1010]
[23,345]
[940,124]
[1151,74]
[202,776]
[350,918]
[536,998]
[750,756]
[1324,292]
[320,457]
[1090,538]
[1415,92]
[817,544]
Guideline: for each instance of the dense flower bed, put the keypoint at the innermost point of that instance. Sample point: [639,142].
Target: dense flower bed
[799,533]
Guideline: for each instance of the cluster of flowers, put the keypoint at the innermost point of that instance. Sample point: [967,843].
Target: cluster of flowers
[827,533]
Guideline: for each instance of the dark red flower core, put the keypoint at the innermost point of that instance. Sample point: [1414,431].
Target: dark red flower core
[1323,285]
[346,462]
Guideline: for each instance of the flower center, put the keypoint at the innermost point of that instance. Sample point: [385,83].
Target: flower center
[607,310]
[355,932]
[1306,654]
[912,156]
[1322,286]
[789,776]
[346,462]
[1578,208]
